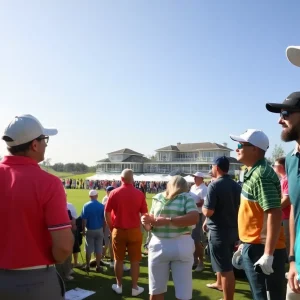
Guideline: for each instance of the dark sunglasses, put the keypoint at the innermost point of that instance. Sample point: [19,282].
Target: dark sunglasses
[241,146]
[285,114]
[46,138]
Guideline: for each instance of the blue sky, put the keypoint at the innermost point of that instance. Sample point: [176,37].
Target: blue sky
[145,74]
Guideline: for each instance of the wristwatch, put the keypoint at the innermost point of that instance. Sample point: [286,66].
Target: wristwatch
[291,258]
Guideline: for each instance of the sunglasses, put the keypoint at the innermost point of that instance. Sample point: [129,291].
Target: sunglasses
[285,114]
[46,138]
[241,146]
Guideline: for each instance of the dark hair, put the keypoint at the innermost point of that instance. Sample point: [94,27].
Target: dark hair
[280,161]
[15,150]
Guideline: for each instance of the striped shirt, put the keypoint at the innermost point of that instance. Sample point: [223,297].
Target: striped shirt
[261,191]
[179,206]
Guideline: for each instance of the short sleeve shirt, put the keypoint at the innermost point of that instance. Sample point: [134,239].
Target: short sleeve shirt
[179,206]
[223,197]
[33,203]
[285,192]
[201,192]
[261,191]
[93,213]
[126,204]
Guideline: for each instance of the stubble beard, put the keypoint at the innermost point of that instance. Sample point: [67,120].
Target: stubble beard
[290,134]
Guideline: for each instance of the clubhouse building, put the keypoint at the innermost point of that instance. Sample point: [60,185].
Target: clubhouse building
[185,158]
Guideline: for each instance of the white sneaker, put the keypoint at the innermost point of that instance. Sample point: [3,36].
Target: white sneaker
[69,277]
[200,267]
[125,268]
[137,292]
[117,289]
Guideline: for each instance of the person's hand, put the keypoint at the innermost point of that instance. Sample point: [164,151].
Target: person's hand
[265,264]
[161,221]
[83,233]
[147,219]
[293,278]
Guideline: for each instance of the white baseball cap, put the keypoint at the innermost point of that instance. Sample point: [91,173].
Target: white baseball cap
[293,55]
[93,193]
[253,136]
[199,174]
[25,128]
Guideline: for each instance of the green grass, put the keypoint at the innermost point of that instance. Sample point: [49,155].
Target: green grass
[101,283]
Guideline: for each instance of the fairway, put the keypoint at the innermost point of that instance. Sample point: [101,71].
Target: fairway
[101,283]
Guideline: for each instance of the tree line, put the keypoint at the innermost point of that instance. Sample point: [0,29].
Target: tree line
[69,167]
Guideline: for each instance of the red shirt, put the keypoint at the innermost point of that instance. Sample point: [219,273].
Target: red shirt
[126,203]
[285,191]
[32,202]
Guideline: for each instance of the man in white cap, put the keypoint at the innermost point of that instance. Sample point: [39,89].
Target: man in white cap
[199,189]
[289,119]
[37,231]
[259,219]
[93,226]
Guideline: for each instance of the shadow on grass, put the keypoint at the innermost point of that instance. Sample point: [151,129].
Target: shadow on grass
[101,284]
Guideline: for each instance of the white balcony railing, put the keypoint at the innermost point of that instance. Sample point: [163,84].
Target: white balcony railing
[198,159]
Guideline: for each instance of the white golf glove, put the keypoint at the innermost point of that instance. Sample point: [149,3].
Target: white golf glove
[265,264]
[240,248]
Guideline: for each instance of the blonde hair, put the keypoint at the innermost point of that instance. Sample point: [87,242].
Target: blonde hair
[176,186]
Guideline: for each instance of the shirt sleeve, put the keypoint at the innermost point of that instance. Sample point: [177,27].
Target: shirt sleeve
[109,203]
[211,198]
[73,211]
[83,213]
[144,207]
[55,208]
[203,193]
[285,187]
[267,193]
[190,204]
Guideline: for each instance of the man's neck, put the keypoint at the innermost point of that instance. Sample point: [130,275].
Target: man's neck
[253,163]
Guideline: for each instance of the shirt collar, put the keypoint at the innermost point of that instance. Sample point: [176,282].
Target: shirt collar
[295,150]
[248,173]
[18,160]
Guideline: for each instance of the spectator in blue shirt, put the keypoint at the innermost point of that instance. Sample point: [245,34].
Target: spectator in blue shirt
[93,227]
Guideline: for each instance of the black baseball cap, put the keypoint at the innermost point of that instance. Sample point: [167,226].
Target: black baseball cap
[222,162]
[292,102]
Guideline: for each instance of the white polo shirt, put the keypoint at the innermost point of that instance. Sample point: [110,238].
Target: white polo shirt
[72,210]
[201,193]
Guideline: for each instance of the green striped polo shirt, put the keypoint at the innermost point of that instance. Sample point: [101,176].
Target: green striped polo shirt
[261,191]
[261,184]
[179,206]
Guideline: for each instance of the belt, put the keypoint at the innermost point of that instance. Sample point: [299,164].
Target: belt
[33,268]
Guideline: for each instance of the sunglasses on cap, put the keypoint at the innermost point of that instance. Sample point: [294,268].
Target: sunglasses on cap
[285,113]
[241,146]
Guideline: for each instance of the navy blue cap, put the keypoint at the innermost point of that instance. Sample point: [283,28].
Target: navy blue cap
[222,162]
[110,188]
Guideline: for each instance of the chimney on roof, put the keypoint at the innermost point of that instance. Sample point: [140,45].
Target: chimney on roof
[224,144]
[178,143]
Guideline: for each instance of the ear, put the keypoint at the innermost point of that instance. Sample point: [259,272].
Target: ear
[34,146]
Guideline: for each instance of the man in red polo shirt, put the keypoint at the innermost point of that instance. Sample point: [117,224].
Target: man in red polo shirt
[123,211]
[37,231]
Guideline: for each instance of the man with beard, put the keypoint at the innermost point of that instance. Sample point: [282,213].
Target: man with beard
[289,119]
